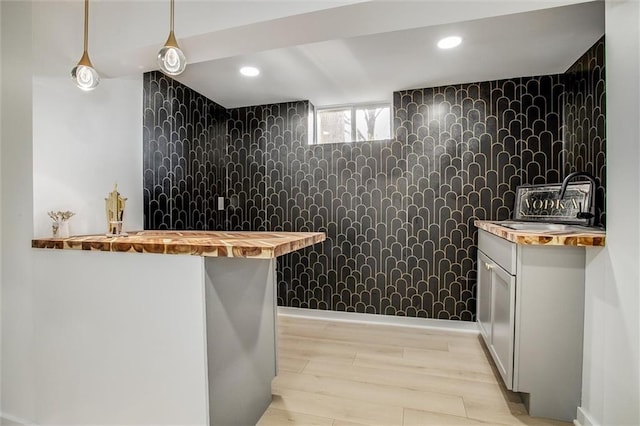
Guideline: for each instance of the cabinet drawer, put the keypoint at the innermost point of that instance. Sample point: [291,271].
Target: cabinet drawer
[501,251]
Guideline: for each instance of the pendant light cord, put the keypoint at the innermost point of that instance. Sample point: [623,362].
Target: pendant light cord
[172,6]
[86,25]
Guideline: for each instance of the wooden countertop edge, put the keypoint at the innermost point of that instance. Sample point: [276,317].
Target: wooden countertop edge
[555,238]
[218,244]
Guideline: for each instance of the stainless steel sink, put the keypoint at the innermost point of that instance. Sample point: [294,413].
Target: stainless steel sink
[541,226]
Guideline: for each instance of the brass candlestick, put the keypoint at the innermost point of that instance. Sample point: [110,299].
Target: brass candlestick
[114,205]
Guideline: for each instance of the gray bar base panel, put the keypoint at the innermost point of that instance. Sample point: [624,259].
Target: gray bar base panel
[241,338]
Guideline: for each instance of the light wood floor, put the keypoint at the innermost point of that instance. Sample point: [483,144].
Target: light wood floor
[345,374]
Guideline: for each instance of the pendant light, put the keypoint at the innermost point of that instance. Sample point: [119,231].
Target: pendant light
[83,74]
[170,57]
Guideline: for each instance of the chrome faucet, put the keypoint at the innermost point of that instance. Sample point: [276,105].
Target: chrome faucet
[591,214]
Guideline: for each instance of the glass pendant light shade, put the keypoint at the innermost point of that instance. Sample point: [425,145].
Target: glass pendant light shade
[84,75]
[170,58]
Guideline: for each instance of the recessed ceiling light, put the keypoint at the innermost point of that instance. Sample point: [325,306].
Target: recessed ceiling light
[249,71]
[449,42]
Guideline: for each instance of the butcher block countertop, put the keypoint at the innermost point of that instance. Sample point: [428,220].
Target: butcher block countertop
[261,245]
[572,236]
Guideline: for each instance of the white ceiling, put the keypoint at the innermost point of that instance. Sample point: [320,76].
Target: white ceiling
[330,52]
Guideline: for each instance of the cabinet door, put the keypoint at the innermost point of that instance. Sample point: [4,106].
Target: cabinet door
[483,314]
[503,317]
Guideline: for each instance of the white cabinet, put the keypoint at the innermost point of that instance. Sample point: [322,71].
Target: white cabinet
[530,315]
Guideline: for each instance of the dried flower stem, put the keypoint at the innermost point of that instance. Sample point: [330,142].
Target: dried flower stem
[60,216]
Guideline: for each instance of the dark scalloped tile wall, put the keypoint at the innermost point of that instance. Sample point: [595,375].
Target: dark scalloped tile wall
[183,138]
[255,137]
[585,120]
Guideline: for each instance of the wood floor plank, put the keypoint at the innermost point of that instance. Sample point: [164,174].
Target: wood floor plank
[305,330]
[414,330]
[337,346]
[373,393]
[302,322]
[394,364]
[503,407]
[492,414]
[397,336]
[505,400]
[461,361]
[327,355]
[425,418]
[309,327]
[469,347]
[287,363]
[382,376]
[343,423]
[337,408]
[277,417]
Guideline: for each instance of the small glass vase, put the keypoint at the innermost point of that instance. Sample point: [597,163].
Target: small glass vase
[60,229]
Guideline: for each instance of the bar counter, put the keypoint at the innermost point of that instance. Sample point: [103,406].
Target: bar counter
[578,236]
[158,327]
[262,245]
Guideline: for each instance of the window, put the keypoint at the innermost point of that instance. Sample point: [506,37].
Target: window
[353,123]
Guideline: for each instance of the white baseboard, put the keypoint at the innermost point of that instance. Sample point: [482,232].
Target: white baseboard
[9,420]
[355,317]
[584,419]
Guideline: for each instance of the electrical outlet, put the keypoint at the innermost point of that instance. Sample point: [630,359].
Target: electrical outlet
[220,203]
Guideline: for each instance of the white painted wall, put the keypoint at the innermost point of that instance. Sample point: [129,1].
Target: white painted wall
[611,364]
[79,143]
[18,380]
[84,142]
